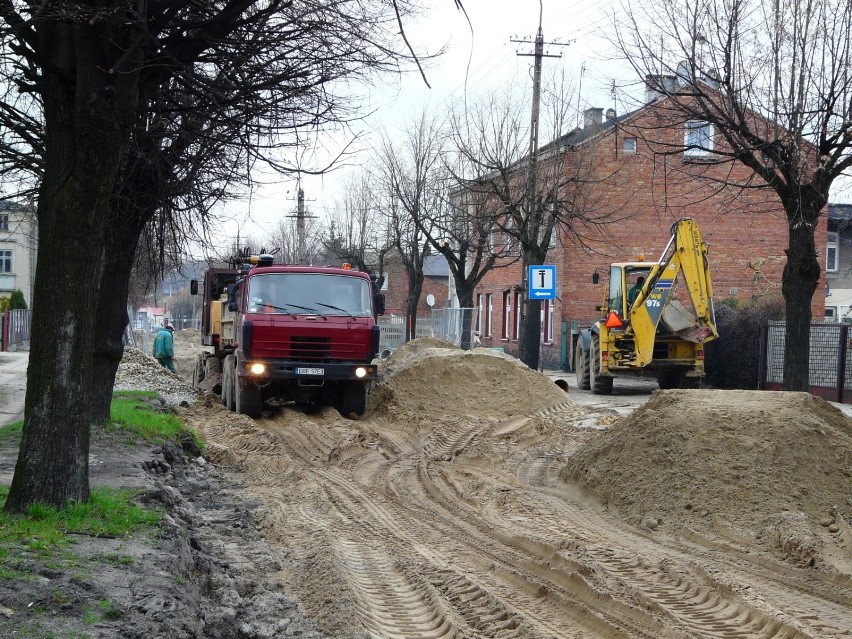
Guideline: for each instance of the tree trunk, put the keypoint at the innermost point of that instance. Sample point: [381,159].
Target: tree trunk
[121,242]
[53,464]
[529,341]
[800,279]
[415,288]
[88,115]
[465,295]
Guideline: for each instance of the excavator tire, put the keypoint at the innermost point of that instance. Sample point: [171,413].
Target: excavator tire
[248,400]
[601,384]
[581,366]
[676,378]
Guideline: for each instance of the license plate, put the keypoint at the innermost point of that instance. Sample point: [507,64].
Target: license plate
[310,371]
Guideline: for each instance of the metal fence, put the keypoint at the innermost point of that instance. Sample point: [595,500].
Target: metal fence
[829,366]
[443,323]
[14,329]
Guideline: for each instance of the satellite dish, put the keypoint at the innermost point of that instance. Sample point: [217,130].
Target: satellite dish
[430,300]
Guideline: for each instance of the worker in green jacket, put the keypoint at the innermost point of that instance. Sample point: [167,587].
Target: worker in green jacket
[164,347]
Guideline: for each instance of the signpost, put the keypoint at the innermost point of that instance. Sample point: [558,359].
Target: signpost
[542,282]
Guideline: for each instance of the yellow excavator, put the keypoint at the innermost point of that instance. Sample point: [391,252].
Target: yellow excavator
[655,319]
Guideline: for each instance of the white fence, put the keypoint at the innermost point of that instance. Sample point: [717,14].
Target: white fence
[443,323]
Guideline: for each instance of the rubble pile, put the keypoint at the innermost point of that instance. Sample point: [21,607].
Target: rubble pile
[138,371]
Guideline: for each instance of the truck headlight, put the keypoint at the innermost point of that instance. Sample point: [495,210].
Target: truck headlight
[360,372]
[257,368]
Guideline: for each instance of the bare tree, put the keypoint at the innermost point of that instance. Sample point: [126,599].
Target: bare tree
[90,74]
[765,85]
[526,200]
[410,171]
[356,231]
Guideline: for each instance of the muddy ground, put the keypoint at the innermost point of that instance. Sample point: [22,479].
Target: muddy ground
[476,499]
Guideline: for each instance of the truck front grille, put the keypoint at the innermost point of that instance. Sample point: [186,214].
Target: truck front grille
[309,349]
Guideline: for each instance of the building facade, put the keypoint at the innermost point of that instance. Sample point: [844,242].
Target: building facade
[641,172]
[18,250]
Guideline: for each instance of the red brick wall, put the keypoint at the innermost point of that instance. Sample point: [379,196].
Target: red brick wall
[636,198]
[397,291]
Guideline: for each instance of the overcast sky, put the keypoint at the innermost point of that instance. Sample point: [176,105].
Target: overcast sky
[480,56]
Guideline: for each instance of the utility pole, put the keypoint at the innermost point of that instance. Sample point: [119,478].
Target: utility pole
[301,253]
[531,318]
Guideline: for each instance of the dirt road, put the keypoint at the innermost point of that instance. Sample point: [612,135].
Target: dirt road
[453,509]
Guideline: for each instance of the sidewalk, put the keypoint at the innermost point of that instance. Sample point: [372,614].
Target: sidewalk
[13,385]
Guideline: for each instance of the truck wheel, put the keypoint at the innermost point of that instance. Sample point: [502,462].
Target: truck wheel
[353,398]
[581,366]
[229,372]
[212,366]
[601,384]
[248,399]
[198,373]
[669,378]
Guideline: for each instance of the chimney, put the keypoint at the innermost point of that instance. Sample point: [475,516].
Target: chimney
[659,85]
[592,117]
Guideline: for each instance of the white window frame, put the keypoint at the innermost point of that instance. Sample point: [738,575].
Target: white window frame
[630,146]
[507,315]
[832,253]
[698,139]
[831,313]
[547,321]
[7,261]
[489,314]
[519,300]
[385,282]
[478,328]
[4,221]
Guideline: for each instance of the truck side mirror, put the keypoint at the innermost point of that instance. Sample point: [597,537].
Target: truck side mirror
[232,298]
[193,287]
[380,304]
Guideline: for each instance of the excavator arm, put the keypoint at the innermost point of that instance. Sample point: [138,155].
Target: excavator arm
[685,254]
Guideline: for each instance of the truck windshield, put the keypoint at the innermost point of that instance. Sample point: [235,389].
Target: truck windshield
[315,293]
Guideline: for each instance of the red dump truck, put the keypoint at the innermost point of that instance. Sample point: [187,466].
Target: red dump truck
[281,333]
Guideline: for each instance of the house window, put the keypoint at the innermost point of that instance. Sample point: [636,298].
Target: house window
[831,253]
[489,313]
[698,139]
[516,328]
[507,314]
[499,243]
[830,313]
[5,260]
[478,328]
[547,321]
[630,145]
[384,286]
[4,221]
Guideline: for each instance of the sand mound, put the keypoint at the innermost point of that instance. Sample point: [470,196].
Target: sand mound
[430,377]
[749,460]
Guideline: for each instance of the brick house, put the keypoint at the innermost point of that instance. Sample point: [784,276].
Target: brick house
[633,170]
[436,276]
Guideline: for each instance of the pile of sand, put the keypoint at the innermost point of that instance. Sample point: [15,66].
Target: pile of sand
[774,466]
[429,377]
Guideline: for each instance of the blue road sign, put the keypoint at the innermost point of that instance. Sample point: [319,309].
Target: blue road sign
[542,282]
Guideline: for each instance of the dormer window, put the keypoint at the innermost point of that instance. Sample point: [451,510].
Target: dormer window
[698,139]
